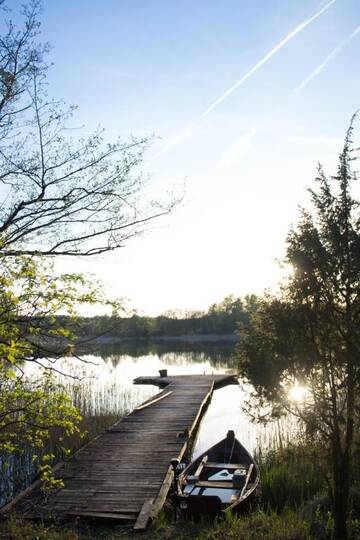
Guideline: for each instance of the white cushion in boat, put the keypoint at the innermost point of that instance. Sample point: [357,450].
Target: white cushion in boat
[221,476]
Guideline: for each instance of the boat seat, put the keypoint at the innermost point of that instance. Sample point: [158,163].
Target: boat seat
[213,465]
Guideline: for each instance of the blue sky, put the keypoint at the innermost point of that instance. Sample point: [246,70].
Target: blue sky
[149,65]
[154,66]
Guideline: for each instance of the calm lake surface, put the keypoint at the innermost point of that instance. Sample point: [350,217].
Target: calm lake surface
[106,385]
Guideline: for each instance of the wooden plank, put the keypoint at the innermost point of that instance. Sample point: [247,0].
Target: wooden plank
[161,496]
[144,516]
[213,465]
[201,466]
[214,484]
[247,479]
[141,407]
[130,516]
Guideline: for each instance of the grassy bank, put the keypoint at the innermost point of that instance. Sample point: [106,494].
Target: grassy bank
[260,525]
[257,526]
[293,505]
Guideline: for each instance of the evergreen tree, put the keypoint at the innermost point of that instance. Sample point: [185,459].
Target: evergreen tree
[310,334]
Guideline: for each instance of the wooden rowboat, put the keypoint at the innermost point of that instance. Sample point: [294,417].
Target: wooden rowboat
[223,479]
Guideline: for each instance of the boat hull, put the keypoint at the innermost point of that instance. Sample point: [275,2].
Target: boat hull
[223,479]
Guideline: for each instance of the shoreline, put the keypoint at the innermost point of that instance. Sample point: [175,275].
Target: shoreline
[190,338]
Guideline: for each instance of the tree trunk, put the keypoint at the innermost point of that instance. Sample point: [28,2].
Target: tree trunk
[340,516]
[341,495]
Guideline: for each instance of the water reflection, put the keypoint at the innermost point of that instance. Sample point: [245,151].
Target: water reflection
[102,385]
[224,413]
[218,353]
[107,385]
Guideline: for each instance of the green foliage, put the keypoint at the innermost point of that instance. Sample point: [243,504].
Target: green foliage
[310,334]
[260,526]
[221,319]
[257,526]
[33,405]
[59,196]
[290,477]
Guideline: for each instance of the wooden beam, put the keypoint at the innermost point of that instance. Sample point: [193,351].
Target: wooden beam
[213,465]
[201,411]
[161,497]
[201,466]
[227,484]
[131,516]
[148,403]
[247,480]
[144,515]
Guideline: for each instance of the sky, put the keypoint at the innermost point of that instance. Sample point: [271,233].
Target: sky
[244,99]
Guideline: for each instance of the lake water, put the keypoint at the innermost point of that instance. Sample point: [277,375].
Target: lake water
[107,388]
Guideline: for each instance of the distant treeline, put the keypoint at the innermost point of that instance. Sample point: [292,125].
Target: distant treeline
[222,318]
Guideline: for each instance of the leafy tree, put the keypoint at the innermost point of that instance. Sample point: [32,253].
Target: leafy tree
[32,403]
[58,196]
[227,314]
[310,335]
[81,196]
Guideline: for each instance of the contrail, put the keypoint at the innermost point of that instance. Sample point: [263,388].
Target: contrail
[237,149]
[184,133]
[269,55]
[327,60]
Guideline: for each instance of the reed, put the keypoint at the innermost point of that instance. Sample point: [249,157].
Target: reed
[290,477]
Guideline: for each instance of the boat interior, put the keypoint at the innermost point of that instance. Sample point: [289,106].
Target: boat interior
[226,481]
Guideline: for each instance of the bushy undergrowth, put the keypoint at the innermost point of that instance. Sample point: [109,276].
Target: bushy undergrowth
[290,477]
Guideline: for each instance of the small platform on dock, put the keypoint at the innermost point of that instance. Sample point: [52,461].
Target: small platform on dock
[125,473]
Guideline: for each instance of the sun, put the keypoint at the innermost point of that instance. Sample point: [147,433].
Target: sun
[298,393]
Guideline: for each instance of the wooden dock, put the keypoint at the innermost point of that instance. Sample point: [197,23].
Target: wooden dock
[125,473]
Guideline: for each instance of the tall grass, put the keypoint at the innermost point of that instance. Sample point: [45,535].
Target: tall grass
[290,477]
[260,526]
